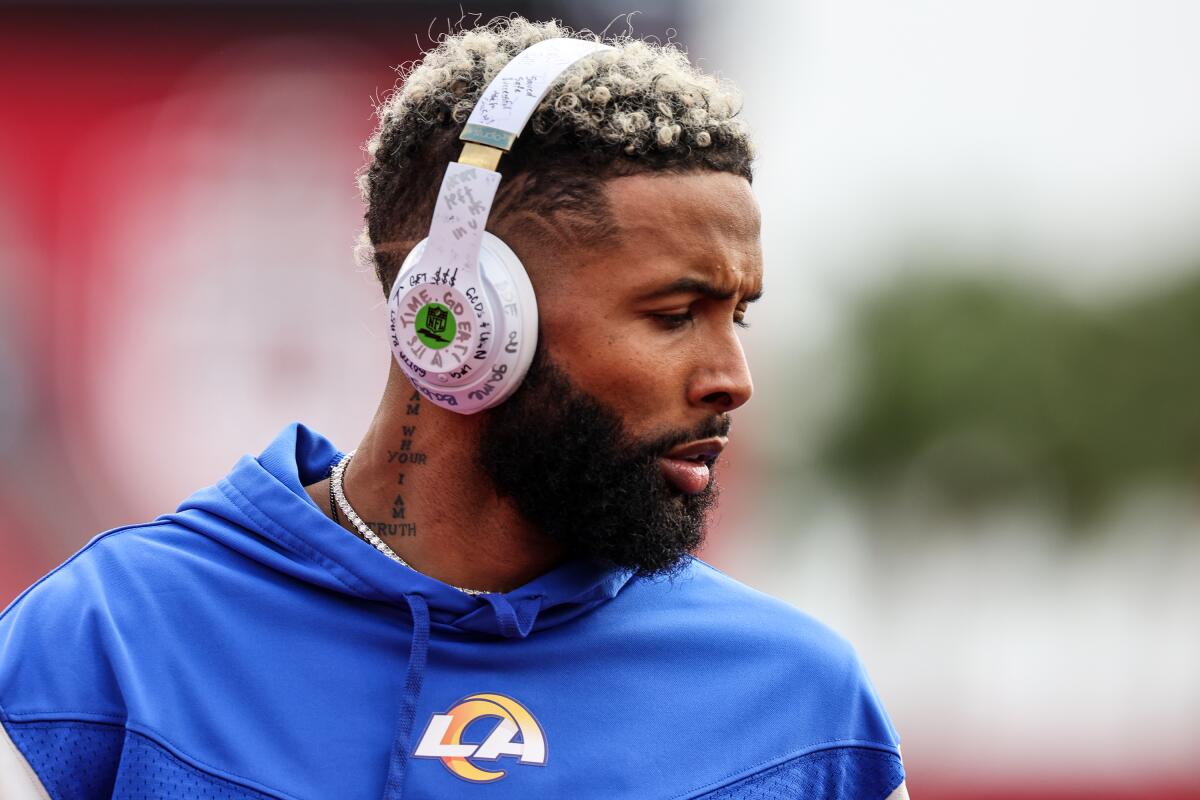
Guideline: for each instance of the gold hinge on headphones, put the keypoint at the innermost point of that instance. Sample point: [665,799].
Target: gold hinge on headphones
[480,155]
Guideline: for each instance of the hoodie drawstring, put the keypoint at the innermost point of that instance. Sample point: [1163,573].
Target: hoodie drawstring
[515,622]
[414,676]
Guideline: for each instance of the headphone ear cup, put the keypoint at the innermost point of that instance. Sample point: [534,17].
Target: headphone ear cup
[495,327]
[505,275]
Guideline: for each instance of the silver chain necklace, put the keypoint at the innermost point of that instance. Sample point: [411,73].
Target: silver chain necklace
[335,485]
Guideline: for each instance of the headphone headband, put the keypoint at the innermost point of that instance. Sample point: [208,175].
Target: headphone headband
[510,99]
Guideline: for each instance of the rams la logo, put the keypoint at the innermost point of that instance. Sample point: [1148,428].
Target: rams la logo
[443,737]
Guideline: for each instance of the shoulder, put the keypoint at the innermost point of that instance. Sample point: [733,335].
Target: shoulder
[88,573]
[731,659]
[708,603]
[123,561]
[62,634]
[746,644]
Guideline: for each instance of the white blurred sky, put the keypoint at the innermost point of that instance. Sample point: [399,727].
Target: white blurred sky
[1064,135]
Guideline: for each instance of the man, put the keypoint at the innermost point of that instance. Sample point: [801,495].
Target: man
[494,604]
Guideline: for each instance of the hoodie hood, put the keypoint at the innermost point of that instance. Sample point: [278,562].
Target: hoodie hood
[261,510]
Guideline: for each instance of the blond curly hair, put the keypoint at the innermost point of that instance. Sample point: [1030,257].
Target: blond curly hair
[641,107]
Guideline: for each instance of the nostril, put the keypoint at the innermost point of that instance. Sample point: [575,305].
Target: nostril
[720,399]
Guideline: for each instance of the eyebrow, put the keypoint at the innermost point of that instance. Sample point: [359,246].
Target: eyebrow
[700,287]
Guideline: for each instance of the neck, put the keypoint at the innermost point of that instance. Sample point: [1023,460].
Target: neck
[415,480]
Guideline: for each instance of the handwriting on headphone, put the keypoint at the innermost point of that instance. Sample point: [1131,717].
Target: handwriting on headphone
[503,95]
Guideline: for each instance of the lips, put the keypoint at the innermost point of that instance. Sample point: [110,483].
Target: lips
[689,467]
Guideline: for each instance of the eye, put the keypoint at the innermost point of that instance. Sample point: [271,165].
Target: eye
[674,321]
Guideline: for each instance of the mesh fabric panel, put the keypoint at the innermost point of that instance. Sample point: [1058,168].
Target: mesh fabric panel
[844,774]
[149,772]
[89,761]
[72,759]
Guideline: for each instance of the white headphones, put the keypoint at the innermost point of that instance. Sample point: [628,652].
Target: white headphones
[463,317]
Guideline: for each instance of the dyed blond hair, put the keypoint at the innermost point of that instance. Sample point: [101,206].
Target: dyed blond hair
[642,107]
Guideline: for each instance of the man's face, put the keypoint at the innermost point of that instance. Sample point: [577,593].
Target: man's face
[609,443]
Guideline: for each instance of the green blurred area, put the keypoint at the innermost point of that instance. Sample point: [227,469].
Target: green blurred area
[981,392]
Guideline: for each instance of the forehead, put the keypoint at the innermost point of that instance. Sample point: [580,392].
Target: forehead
[702,224]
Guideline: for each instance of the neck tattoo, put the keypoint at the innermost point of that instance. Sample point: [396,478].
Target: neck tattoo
[338,493]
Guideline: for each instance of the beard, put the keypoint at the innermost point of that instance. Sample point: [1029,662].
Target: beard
[565,460]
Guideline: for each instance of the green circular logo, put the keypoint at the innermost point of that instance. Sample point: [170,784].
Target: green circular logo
[435,326]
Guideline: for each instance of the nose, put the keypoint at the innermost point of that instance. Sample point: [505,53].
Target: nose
[722,377]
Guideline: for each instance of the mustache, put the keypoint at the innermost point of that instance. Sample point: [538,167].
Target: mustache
[713,426]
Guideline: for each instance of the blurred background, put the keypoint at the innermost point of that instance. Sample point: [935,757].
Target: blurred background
[975,443]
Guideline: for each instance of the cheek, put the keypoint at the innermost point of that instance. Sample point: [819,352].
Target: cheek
[627,366]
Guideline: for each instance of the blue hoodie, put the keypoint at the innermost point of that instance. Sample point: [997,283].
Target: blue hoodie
[248,646]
